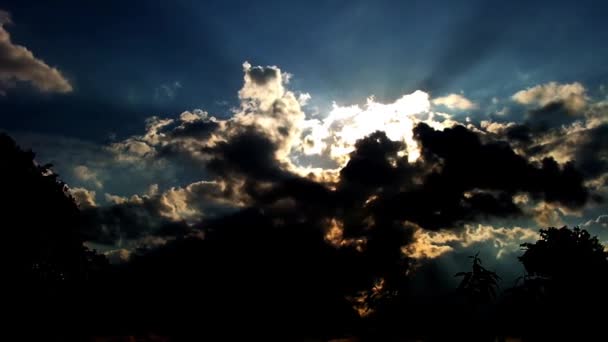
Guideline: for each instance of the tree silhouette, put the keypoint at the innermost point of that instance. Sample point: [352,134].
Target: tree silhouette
[566,266]
[46,267]
[41,221]
[566,256]
[565,285]
[479,284]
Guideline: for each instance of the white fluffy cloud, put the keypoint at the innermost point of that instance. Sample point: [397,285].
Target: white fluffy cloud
[336,134]
[573,95]
[18,64]
[455,101]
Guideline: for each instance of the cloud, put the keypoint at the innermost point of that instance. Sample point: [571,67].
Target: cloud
[572,95]
[173,212]
[83,173]
[547,215]
[17,63]
[431,245]
[119,172]
[167,91]
[581,142]
[592,152]
[407,183]
[335,135]
[262,84]
[375,167]
[497,127]
[598,227]
[393,162]
[454,101]
[335,236]
[473,178]
[118,256]
[601,220]
[85,199]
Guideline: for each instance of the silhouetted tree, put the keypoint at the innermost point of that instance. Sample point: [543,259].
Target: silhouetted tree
[565,285]
[567,256]
[479,284]
[47,271]
[41,221]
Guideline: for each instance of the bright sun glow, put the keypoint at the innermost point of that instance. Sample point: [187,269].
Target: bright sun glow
[337,134]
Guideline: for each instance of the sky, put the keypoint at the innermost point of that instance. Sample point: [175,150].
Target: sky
[184,111]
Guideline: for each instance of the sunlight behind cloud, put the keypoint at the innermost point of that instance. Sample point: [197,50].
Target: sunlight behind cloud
[336,134]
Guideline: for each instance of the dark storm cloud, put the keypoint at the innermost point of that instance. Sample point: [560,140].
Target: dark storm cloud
[469,164]
[370,164]
[172,213]
[592,155]
[460,179]
[197,129]
[262,75]
[553,114]
[110,224]
[551,129]
[250,154]
[280,244]
[519,133]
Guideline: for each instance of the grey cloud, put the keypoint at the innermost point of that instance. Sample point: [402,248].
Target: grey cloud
[167,91]
[174,212]
[84,198]
[18,64]
[262,75]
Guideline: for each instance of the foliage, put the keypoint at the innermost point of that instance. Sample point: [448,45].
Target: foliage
[479,284]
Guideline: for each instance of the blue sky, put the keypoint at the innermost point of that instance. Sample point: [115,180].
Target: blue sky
[120,56]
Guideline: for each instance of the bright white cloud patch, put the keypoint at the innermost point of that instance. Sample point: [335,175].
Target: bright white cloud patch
[572,95]
[455,101]
[336,134]
[18,64]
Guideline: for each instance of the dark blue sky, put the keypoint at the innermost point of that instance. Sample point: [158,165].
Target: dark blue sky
[120,55]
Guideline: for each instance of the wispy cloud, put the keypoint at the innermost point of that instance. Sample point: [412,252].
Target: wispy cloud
[18,64]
